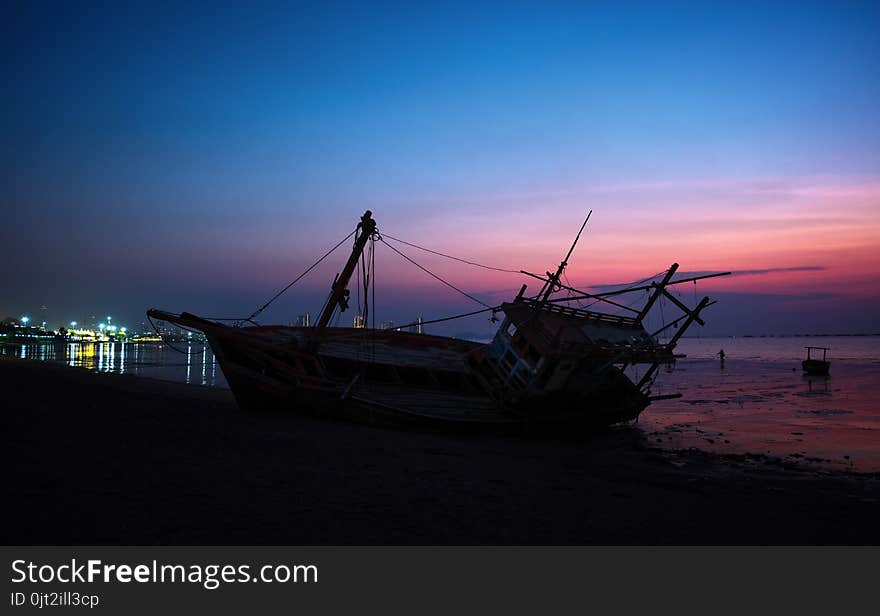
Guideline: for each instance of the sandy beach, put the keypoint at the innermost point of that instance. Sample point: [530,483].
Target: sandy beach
[116,459]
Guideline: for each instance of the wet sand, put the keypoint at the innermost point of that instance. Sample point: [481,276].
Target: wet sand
[771,407]
[116,459]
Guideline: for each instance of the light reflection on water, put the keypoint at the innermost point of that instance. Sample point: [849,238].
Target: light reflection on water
[148,359]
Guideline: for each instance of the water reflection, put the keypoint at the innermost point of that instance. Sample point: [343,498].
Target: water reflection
[771,408]
[817,384]
[152,360]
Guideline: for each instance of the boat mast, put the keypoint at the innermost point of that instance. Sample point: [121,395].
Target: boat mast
[339,291]
[553,281]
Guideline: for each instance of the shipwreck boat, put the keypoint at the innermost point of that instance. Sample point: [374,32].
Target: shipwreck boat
[816,367]
[550,363]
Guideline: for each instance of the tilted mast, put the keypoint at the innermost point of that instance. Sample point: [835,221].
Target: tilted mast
[553,281]
[339,291]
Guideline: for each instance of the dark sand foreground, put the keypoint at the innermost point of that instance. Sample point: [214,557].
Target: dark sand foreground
[109,459]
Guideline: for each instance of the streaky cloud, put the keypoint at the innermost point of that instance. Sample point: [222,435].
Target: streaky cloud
[749,272]
[759,271]
[775,270]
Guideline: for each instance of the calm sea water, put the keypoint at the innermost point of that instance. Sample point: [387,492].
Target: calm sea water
[781,348]
[759,401]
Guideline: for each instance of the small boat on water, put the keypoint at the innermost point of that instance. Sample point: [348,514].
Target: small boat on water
[550,363]
[816,367]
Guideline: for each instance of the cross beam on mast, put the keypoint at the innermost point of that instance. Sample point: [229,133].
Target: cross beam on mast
[692,316]
[661,288]
[676,321]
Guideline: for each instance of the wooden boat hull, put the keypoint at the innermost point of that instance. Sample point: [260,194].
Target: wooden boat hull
[408,404]
[392,378]
[816,367]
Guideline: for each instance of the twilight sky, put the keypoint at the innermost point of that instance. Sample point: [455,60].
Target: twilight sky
[199,158]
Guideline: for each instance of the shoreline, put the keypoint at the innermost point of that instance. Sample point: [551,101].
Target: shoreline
[108,459]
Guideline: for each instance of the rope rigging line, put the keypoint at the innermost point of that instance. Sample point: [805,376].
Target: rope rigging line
[298,278]
[662,317]
[170,345]
[363,281]
[578,301]
[236,319]
[441,254]
[440,320]
[366,279]
[357,284]
[625,287]
[373,276]
[432,274]
[452,318]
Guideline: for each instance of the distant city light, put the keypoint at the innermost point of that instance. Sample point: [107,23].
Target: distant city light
[124,329]
[102,326]
[25,320]
[73,323]
[112,328]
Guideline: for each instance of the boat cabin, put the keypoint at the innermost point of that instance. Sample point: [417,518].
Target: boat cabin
[544,348]
[817,367]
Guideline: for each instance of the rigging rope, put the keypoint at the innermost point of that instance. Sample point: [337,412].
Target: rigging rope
[429,272]
[662,316]
[441,254]
[440,320]
[579,302]
[298,278]
[170,345]
[358,282]
[626,286]
[373,276]
[453,317]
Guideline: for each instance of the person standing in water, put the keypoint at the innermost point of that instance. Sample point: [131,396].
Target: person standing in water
[721,355]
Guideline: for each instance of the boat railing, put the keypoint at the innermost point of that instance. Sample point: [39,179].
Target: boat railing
[598,317]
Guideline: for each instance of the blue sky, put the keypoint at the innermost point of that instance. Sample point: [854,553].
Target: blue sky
[198,157]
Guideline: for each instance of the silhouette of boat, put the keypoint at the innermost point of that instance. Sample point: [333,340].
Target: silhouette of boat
[816,367]
[549,363]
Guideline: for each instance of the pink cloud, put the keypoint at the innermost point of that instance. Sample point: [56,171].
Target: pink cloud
[641,227]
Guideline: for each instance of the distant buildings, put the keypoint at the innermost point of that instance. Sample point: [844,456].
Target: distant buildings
[25,329]
[415,328]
